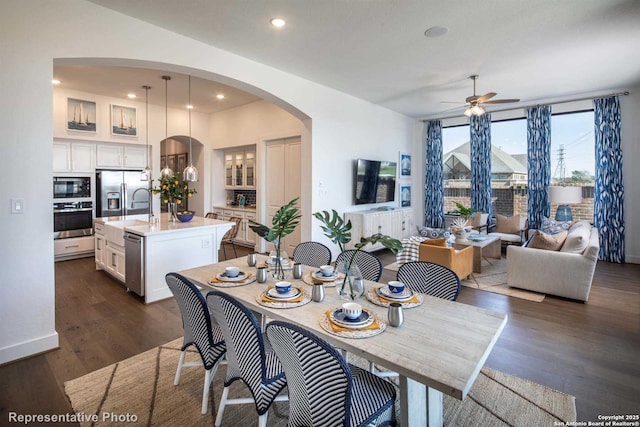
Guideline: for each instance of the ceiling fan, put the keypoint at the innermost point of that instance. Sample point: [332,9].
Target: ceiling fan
[475,103]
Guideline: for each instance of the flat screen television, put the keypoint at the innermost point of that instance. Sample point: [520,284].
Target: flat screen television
[375,181]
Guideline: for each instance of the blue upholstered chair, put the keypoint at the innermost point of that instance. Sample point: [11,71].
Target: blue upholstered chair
[312,253]
[249,358]
[198,331]
[369,264]
[430,279]
[323,389]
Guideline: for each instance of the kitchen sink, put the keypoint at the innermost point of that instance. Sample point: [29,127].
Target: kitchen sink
[114,230]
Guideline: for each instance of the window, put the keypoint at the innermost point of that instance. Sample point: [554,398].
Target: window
[509,167]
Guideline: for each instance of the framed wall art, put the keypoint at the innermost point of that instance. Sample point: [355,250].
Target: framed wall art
[405,165]
[123,121]
[181,162]
[81,115]
[405,195]
[171,162]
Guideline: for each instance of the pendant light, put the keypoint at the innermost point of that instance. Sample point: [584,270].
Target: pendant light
[190,172]
[166,172]
[145,175]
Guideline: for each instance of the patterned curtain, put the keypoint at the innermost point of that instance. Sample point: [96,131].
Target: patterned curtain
[608,210]
[538,163]
[433,188]
[480,130]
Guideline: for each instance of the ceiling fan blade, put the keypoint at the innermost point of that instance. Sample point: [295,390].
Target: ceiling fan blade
[471,99]
[453,102]
[486,96]
[501,101]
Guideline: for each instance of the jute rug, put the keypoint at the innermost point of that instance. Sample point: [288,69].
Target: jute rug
[140,391]
[492,279]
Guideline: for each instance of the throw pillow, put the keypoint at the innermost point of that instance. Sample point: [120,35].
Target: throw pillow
[549,242]
[578,238]
[433,233]
[550,226]
[508,225]
[436,242]
[476,219]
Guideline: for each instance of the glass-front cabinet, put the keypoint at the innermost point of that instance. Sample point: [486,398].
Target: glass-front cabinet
[239,168]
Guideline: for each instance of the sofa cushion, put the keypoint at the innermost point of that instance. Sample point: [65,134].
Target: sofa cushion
[508,225]
[476,219]
[433,233]
[436,242]
[550,226]
[577,238]
[549,242]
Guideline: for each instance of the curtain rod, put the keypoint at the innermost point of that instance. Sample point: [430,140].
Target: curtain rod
[625,93]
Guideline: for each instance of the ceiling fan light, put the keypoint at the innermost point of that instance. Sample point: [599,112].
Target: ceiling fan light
[467,112]
[477,110]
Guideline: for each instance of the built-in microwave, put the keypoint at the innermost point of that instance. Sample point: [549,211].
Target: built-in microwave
[69,187]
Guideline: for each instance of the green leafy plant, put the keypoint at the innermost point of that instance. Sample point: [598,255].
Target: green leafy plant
[464,211]
[173,189]
[284,222]
[339,233]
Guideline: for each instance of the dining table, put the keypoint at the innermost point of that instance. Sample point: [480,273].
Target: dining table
[440,347]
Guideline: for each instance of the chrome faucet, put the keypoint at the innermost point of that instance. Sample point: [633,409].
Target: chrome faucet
[150,202]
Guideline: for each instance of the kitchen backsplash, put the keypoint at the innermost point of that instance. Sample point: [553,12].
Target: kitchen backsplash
[250,196]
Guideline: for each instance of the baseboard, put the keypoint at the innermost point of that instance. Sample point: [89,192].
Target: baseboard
[631,259]
[28,348]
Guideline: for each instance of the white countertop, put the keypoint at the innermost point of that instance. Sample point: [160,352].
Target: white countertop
[236,208]
[164,226]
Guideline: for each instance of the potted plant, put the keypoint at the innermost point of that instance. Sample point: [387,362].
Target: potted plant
[460,226]
[283,223]
[339,232]
[173,191]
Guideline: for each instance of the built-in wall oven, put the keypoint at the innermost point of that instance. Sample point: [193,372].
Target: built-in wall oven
[72,219]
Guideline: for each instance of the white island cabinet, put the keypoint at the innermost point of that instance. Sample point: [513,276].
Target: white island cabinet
[164,247]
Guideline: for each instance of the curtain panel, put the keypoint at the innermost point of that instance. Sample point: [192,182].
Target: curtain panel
[480,133]
[538,163]
[608,209]
[433,185]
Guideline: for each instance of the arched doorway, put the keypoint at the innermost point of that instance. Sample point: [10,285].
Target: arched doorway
[174,152]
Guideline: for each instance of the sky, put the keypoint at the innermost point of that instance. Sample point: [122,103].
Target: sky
[574,131]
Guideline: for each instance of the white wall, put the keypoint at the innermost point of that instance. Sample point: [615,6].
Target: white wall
[630,134]
[38,31]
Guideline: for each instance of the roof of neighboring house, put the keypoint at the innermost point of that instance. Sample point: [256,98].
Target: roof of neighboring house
[501,162]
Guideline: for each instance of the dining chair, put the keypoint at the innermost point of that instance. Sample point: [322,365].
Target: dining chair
[312,253]
[249,357]
[324,390]
[230,236]
[430,279]
[369,264]
[211,215]
[198,331]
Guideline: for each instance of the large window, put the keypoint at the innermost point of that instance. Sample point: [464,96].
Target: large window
[572,161]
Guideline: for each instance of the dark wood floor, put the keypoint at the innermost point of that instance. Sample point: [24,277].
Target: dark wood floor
[591,350]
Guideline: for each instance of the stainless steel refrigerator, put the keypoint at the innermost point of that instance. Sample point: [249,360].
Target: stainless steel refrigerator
[121,193]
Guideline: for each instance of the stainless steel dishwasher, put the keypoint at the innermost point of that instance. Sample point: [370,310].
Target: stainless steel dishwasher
[134,263]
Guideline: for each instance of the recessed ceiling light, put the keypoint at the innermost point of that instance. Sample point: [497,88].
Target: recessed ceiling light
[220,96]
[277,22]
[55,82]
[131,95]
[436,32]
[189,107]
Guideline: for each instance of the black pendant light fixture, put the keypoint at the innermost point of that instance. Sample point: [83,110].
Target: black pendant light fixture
[190,172]
[145,175]
[166,172]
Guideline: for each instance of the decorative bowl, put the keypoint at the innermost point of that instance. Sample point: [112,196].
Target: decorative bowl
[185,216]
[283,287]
[396,287]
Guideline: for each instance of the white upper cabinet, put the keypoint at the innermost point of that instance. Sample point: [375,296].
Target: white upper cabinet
[121,156]
[73,157]
[239,169]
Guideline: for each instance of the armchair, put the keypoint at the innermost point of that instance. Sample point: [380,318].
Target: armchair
[459,261]
[510,230]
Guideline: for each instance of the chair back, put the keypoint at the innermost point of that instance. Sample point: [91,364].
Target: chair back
[369,264]
[430,279]
[312,253]
[211,215]
[233,232]
[246,355]
[318,378]
[196,320]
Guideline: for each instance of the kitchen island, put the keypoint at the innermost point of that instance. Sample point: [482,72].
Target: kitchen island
[140,253]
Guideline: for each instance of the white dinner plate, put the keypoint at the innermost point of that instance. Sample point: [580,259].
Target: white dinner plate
[365,319]
[293,293]
[385,292]
[239,278]
[318,275]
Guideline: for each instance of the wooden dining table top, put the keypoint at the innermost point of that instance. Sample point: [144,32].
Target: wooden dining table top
[441,344]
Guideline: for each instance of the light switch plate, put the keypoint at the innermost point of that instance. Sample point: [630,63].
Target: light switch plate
[17,206]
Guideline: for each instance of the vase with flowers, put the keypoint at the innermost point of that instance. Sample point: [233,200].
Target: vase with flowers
[173,191]
[283,223]
[339,232]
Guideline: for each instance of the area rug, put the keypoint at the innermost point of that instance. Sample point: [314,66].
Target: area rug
[492,279]
[140,391]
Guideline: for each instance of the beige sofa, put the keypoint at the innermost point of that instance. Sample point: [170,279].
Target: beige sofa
[563,273]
